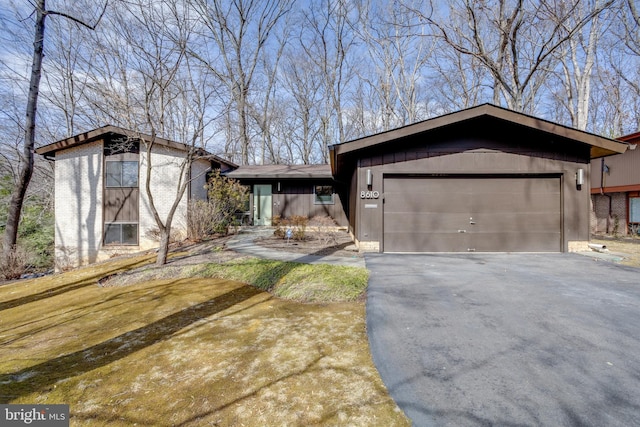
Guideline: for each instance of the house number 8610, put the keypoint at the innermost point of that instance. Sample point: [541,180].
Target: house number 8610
[369,194]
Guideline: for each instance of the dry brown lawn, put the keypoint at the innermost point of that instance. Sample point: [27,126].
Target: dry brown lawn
[186,351]
[628,249]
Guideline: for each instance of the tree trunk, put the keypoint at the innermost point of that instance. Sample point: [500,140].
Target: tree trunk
[163,250]
[17,197]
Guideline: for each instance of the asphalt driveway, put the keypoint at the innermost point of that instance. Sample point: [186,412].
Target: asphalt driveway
[507,339]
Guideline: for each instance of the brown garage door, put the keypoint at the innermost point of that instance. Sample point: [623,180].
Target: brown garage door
[460,214]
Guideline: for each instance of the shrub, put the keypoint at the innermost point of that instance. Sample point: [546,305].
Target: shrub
[200,224]
[297,223]
[226,197]
[16,264]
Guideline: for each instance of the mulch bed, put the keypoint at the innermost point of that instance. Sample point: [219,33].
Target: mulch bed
[314,243]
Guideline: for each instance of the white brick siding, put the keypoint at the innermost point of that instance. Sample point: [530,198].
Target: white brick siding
[78,205]
[165,175]
[79,201]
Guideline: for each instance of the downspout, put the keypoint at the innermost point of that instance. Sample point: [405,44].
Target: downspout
[610,210]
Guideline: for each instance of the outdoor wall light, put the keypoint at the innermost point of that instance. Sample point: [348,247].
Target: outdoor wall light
[580,177]
[278,186]
[369,178]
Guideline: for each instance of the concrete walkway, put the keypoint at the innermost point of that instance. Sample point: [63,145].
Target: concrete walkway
[244,243]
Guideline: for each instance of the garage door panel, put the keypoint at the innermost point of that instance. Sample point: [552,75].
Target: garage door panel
[414,203]
[513,202]
[424,222]
[512,242]
[496,214]
[421,185]
[516,222]
[425,242]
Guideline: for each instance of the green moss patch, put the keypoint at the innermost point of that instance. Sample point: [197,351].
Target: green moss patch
[190,351]
[292,280]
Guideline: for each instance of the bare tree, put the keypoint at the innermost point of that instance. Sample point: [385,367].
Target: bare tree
[235,33]
[17,197]
[398,52]
[150,85]
[327,43]
[513,39]
[303,84]
[263,109]
[577,59]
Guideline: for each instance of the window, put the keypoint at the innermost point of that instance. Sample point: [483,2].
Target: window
[323,195]
[120,234]
[121,174]
[634,210]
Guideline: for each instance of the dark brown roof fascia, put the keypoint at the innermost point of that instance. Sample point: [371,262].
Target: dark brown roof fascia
[267,172]
[600,146]
[632,138]
[95,134]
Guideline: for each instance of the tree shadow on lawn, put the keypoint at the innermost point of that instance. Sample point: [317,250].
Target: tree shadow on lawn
[38,377]
[94,274]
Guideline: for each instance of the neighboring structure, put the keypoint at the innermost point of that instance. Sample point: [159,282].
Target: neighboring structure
[615,191]
[288,190]
[101,206]
[481,179]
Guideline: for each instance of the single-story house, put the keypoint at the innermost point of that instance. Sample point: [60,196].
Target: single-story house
[288,190]
[101,205]
[481,179]
[615,191]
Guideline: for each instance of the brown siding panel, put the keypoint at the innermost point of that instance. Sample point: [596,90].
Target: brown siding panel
[121,205]
[624,169]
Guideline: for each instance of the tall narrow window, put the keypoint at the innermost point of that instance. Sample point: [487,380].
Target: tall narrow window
[121,199]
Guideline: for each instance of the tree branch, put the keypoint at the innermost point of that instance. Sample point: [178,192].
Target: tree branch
[76,20]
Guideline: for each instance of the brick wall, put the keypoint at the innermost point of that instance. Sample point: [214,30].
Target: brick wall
[78,205]
[79,194]
[601,222]
[165,175]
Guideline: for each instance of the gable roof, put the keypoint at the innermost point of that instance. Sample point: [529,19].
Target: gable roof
[632,138]
[600,146]
[95,134]
[281,171]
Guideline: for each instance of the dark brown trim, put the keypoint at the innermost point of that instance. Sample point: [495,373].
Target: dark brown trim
[616,189]
[600,146]
[95,134]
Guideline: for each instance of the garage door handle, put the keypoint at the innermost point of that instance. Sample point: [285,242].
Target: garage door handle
[462,231]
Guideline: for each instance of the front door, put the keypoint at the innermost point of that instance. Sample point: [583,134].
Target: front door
[262,204]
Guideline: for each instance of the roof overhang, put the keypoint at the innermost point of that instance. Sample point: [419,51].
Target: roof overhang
[632,138]
[599,146]
[281,172]
[99,133]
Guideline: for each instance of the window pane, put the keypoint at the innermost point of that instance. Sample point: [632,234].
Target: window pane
[112,234]
[324,194]
[129,234]
[114,173]
[129,174]
[634,209]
